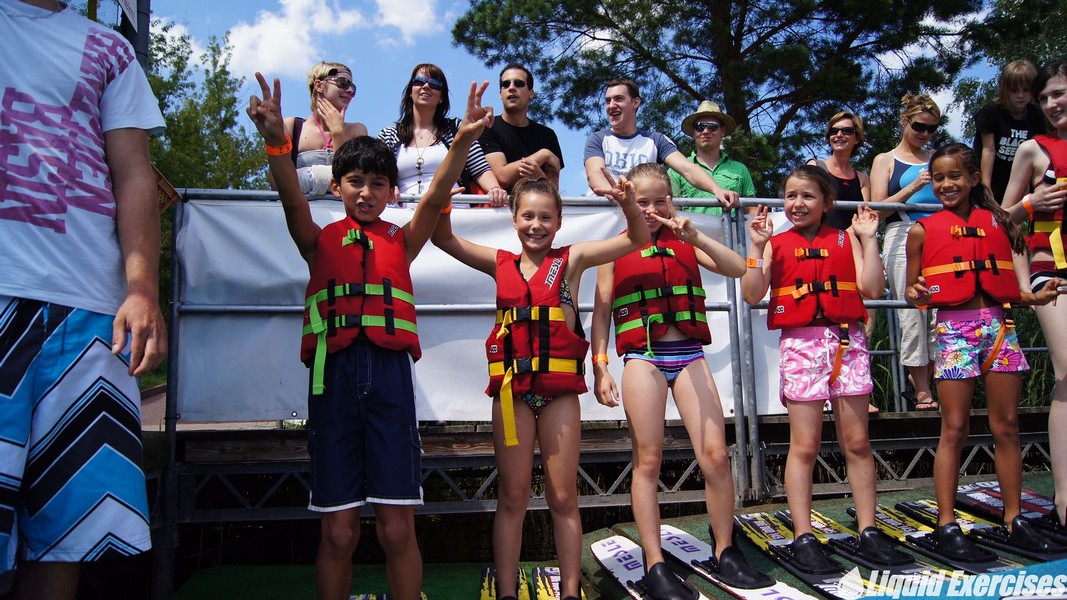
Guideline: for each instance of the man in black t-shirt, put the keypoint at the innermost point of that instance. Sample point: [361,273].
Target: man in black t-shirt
[515,146]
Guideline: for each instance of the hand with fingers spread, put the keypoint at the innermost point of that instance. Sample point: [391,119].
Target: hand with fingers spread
[266,113]
[619,189]
[865,222]
[760,228]
[682,227]
[476,115]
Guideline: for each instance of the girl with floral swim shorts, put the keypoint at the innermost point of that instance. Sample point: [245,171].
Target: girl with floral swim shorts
[818,277]
[963,260]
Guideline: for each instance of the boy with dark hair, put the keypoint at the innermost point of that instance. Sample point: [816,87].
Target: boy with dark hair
[360,337]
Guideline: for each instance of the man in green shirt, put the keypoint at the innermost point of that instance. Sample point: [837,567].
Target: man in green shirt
[708,126]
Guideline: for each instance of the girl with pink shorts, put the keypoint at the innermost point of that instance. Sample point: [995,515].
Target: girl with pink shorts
[818,277]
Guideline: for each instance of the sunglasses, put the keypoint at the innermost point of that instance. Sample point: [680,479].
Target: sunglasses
[923,128]
[435,84]
[342,83]
[845,130]
[506,83]
[706,125]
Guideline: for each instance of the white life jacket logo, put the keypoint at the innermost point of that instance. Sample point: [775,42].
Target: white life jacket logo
[393,230]
[494,349]
[778,310]
[841,239]
[553,271]
[623,312]
[935,289]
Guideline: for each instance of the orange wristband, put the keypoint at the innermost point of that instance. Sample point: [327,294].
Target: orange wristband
[600,358]
[754,263]
[282,150]
[1029,206]
[447,209]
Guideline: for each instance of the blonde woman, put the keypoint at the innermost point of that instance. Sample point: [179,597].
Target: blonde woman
[316,137]
[903,175]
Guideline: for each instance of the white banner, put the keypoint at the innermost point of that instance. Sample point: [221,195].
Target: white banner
[243,364]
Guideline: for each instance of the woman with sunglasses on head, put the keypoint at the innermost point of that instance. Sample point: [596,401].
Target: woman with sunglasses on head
[316,137]
[422,136]
[903,175]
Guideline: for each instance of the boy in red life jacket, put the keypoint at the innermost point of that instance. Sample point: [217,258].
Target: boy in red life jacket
[962,261]
[360,334]
[656,298]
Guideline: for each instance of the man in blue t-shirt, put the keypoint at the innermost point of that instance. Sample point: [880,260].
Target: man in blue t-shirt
[623,146]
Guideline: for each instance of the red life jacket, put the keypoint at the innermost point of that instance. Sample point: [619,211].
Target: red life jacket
[961,258]
[531,349]
[655,287]
[1046,228]
[360,285]
[813,278]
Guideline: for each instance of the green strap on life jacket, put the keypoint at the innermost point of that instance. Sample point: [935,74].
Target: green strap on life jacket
[678,290]
[320,327]
[649,320]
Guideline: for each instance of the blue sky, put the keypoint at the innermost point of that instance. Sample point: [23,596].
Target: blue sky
[381,40]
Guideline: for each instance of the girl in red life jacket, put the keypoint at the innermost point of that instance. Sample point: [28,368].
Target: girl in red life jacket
[656,298]
[818,277]
[963,261]
[1040,167]
[535,385]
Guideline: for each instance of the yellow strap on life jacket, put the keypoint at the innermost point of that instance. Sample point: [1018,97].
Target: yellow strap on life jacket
[963,231]
[1055,239]
[508,316]
[517,367]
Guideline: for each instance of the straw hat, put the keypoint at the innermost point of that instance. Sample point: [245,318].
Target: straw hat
[707,109]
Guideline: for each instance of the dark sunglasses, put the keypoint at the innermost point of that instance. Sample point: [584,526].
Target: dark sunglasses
[435,84]
[845,130]
[923,128]
[708,125]
[342,83]
[506,83]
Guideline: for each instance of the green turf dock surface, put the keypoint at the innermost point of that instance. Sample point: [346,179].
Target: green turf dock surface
[460,581]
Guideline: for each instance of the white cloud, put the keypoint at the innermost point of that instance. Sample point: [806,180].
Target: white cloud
[176,31]
[283,42]
[411,17]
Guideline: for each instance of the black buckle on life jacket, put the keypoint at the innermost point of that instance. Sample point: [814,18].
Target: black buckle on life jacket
[522,313]
[358,236]
[351,289]
[387,291]
[657,250]
[812,253]
[346,321]
[522,365]
[825,286]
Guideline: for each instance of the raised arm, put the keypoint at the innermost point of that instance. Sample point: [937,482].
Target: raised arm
[598,252]
[438,196]
[266,114]
[712,255]
[870,276]
[757,279]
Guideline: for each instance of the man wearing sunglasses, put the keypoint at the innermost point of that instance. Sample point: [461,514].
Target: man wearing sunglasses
[623,146]
[515,146]
[708,126]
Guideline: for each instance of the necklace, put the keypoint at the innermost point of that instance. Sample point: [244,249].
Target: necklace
[26,15]
[420,151]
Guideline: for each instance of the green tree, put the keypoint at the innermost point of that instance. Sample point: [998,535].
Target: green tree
[780,67]
[1012,30]
[205,144]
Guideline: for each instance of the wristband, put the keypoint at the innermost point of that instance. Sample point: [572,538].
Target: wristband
[447,209]
[1029,206]
[282,150]
[754,263]
[600,358]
